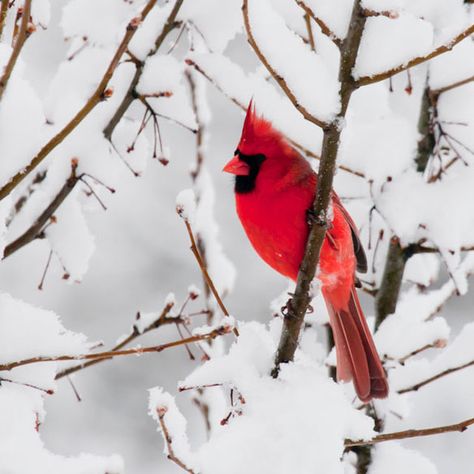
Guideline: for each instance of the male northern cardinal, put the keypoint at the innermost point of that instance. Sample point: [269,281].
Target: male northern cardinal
[274,189]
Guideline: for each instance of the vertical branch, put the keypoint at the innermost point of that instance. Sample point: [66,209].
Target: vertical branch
[298,304]
[21,37]
[397,257]
[387,295]
[3,16]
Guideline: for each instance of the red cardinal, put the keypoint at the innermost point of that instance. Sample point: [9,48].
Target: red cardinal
[274,189]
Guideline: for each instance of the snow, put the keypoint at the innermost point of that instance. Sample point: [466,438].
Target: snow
[27,332]
[102,23]
[162,404]
[216,21]
[314,85]
[336,14]
[186,205]
[404,38]
[258,437]
[392,458]
[298,422]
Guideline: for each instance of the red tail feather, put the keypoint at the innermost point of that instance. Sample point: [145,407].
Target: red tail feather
[357,357]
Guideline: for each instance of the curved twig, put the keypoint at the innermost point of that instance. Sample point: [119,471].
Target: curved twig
[459,427]
[125,352]
[418,385]
[279,79]
[366,80]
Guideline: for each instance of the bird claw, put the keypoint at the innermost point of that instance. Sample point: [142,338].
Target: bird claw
[312,218]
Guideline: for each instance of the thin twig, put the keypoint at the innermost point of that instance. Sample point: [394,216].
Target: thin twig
[324,27]
[309,29]
[3,16]
[161,412]
[21,37]
[454,85]
[366,80]
[205,273]
[131,93]
[452,370]
[219,331]
[299,303]
[161,320]
[34,231]
[460,427]
[97,97]
[277,77]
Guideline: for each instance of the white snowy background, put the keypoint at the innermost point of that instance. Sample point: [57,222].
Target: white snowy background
[129,257]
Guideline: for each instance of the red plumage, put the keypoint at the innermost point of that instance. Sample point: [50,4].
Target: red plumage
[275,187]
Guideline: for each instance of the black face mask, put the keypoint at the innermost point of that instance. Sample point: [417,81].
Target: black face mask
[246,184]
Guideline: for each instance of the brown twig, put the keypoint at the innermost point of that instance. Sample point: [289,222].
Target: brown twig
[454,85]
[324,27]
[205,273]
[277,77]
[309,29]
[3,15]
[460,427]
[97,97]
[35,230]
[366,80]
[160,321]
[161,412]
[21,37]
[131,93]
[298,304]
[452,370]
[219,331]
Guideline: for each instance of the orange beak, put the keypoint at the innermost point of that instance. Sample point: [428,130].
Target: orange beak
[237,167]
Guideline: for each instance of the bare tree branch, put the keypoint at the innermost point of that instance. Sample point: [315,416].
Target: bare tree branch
[366,80]
[21,37]
[454,85]
[3,15]
[452,370]
[298,304]
[34,231]
[219,331]
[131,93]
[459,427]
[278,78]
[324,27]
[161,412]
[94,99]
[160,321]
[205,273]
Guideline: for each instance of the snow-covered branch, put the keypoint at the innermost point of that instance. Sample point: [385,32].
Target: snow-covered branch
[224,328]
[26,28]
[101,93]
[406,434]
[444,48]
